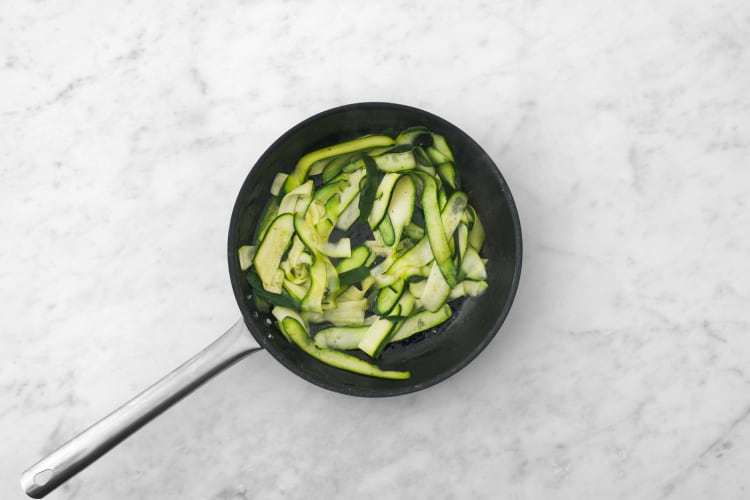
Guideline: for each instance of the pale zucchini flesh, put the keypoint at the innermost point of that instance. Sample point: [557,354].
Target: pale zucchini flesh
[472,267]
[340,337]
[436,290]
[420,322]
[395,162]
[401,206]
[382,198]
[246,253]
[268,256]
[375,336]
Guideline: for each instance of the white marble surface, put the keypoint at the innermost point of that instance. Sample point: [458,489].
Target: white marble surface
[623,371]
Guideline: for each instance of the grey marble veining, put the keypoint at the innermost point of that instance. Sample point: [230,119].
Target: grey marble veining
[126,129]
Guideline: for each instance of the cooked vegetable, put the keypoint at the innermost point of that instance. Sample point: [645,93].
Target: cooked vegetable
[268,256]
[295,330]
[423,251]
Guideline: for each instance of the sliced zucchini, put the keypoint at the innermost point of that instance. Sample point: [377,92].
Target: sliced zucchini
[388,297]
[303,165]
[335,166]
[332,209]
[340,337]
[422,158]
[476,235]
[436,234]
[376,337]
[295,330]
[338,249]
[431,171]
[333,169]
[281,312]
[296,291]
[318,167]
[447,173]
[436,290]
[358,258]
[367,283]
[278,183]
[327,191]
[352,276]
[289,204]
[421,250]
[378,151]
[387,232]
[401,206]
[313,300]
[369,189]
[309,235]
[269,214]
[436,156]
[356,164]
[415,136]
[382,199]
[468,289]
[379,248]
[295,251]
[299,274]
[316,210]
[268,256]
[472,267]
[395,161]
[277,299]
[416,288]
[420,322]
[351,293]
[442,198]
[462,240]
[439,143]
[246,254]
[413,231]
[421,253]
[349,215]
[347,305]
[468,217]
[339,317]
[332,278]
[405,305]
[352,190]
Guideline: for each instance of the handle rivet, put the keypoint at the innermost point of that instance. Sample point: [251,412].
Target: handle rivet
[42,478]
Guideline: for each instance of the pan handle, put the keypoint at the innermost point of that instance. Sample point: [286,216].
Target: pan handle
[82,450]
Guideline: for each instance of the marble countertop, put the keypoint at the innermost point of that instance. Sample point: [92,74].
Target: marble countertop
[623,129]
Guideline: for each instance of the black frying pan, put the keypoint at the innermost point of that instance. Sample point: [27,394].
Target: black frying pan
[431,356]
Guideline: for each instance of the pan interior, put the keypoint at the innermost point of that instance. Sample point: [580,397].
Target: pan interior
[431,356]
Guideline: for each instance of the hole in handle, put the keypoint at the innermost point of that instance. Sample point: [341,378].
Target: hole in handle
[42,478]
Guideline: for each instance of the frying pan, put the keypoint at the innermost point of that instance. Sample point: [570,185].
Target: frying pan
[431,356]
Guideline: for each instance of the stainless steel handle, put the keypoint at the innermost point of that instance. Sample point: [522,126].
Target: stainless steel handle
[75,455]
